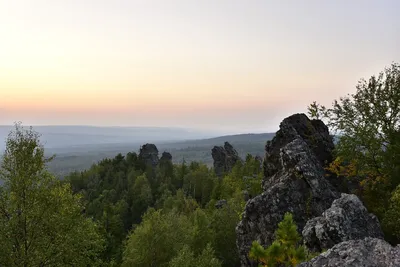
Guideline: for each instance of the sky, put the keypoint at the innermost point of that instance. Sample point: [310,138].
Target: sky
[221,65]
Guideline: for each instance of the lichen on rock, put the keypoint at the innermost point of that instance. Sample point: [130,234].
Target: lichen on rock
[368,252]
[346,219]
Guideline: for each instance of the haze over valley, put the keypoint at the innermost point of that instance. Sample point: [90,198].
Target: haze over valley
[78,147]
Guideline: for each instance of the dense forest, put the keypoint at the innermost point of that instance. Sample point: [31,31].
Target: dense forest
[127,211]
[137,214]
[165,209]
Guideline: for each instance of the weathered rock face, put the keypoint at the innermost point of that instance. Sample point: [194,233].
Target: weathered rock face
[224,158]
[347,219]
[294,182]
[219,156]
[368,252]
[313,132]
[149,154]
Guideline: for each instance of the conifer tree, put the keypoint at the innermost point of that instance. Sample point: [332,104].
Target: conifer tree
[284,251]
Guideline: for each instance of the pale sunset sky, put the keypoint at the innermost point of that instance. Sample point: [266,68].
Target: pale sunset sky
[226,65]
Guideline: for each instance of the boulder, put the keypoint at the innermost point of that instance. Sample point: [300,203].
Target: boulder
[224,158]
[368,252]
[294,182]
[346,219]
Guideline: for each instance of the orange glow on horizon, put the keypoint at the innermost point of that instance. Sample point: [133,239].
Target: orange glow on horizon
[246,63]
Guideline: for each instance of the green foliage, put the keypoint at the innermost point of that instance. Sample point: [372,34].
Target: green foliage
[41,221]
[368,148]
[390,221]
[202,233]
[368,122]
[186,258]
[316,111]
[223,223]
[199,183]
[157,239]
[287,233]
[118,192]
[284,250]
[142,196]
[245,176]
[180,203]
[181,222]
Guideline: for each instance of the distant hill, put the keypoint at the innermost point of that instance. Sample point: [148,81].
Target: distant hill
[233,139]
[82,157]
[72,136]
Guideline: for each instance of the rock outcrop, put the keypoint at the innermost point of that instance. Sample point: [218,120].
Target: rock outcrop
[149,155]
[368,252]
[294,182]
[314,133]
[224,158]
[345,220]
[166,157]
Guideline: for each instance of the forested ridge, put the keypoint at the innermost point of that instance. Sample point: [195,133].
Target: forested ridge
[141,209]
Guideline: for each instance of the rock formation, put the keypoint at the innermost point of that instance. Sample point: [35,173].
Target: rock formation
[368,252]
[224,158]
[166,157]
[294,182]
[347,219]
[314,133]
[149,155]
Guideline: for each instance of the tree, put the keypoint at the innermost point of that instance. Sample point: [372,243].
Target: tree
[186,258]
[178,203]
[316,111]
[41,221]
[142,197]
[202,233]
[284,250]
[199,183]
[368,125]
[368,149]
[252,166]
[114,222]
[157,239]
[391,219]
[245,176]
[179,173]
[223,223]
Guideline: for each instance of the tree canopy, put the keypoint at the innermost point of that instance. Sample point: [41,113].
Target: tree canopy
[41,221]
[368,148]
